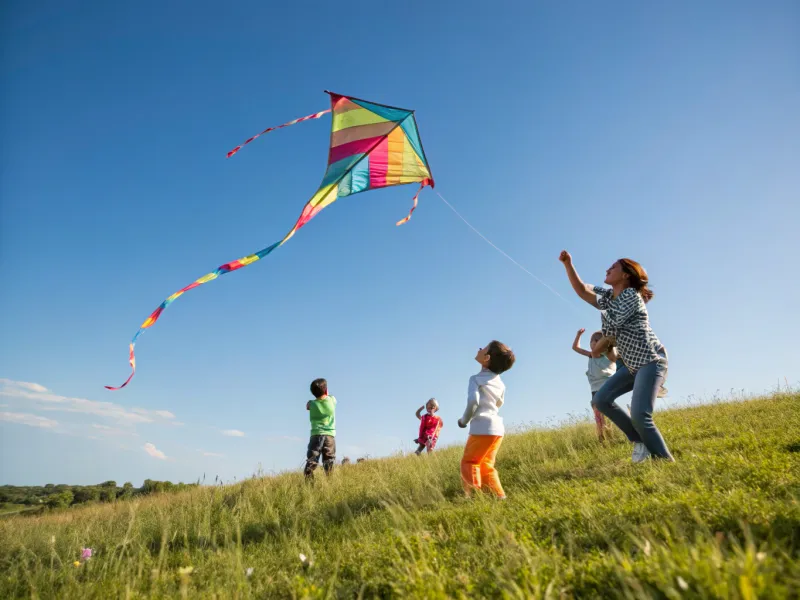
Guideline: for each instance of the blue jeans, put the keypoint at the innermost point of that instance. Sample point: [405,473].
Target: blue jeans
[645,383]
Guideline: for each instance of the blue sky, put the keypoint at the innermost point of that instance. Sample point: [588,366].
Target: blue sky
[666,133]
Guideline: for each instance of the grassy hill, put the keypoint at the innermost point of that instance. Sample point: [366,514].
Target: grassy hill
[581,520]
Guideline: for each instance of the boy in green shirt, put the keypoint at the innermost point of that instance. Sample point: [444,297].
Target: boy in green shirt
[322,413]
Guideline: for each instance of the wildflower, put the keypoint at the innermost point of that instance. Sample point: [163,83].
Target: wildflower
[761,556]
[77,563]
[249,571]
[682,583]
[86,553]
[304,559]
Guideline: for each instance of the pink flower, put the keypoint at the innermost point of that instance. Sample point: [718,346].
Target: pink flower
[86,553]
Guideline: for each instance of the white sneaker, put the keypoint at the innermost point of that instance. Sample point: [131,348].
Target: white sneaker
[640,452]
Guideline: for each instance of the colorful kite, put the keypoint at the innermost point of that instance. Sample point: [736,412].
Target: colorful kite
[372,146]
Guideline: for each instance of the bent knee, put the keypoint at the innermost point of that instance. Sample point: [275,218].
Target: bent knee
[601,401]
[642,419]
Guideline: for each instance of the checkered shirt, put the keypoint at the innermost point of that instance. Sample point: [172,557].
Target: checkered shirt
[625,317]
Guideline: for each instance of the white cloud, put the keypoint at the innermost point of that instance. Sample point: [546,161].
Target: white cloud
[112,431]
[28,419]
[233,433]
[47,400]
[154,452]
[33,387]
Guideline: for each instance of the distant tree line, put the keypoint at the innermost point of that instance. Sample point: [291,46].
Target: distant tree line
[62,495]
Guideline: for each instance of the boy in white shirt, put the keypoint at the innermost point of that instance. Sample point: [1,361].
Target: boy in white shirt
[485,396]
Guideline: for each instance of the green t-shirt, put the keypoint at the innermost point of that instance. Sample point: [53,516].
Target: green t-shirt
[322,412]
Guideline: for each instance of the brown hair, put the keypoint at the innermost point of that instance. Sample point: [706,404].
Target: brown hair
[319,387]
[598,335]
[637,278]
[501,358]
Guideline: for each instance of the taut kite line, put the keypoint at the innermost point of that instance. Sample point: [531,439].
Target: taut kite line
[372,146]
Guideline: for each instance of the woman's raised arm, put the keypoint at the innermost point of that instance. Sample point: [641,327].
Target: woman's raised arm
[584,290]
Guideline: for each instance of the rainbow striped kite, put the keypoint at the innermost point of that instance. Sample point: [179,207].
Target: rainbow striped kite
[372,146]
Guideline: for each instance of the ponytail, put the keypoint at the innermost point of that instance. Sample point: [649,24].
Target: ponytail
[637,277]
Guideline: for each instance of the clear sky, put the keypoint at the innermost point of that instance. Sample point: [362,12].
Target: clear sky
[669,133]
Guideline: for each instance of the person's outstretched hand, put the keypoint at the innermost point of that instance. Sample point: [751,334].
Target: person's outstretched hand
[565,257]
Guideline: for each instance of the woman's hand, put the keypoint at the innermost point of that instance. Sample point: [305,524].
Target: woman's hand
[462,425]
[565,257]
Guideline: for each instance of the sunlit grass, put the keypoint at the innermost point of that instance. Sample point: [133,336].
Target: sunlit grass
[581,520]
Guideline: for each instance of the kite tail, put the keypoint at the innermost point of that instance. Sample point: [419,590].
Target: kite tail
[314,116]
[221,270]
[309,212]
[422,184]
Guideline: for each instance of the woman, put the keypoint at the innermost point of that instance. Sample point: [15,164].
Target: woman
[644,358]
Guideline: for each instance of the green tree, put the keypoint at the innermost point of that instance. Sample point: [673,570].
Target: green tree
[127,490]
[60,500]
[86,494]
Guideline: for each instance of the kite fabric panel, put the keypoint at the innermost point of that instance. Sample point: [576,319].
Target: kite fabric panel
[372,146]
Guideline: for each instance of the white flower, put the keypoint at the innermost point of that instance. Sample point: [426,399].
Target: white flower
[249,571]
[682,583]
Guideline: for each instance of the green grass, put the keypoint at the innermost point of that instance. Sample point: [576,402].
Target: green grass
[580,521]
[9,508]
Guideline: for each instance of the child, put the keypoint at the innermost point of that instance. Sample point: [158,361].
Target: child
[485,396]
[321,412]
[602,365]
[429,426]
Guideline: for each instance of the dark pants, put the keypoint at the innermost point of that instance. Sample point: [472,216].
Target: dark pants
[324,445]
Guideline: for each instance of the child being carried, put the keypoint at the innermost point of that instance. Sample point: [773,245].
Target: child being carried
[602,365]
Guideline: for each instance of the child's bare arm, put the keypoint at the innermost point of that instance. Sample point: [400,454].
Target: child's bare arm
[612,354]
[308,405]
[419,411]
[576,345]
[603,345]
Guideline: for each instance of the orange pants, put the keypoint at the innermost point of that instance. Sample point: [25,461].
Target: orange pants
[477,464]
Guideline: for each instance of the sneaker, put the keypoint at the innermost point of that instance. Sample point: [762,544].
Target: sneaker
[640,452]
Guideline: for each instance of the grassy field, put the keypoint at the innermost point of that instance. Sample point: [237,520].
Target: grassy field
[580,521]
[8,509]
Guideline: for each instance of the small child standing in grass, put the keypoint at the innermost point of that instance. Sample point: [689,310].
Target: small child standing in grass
[322,413]
[429,426]
[602,365]
[485,395]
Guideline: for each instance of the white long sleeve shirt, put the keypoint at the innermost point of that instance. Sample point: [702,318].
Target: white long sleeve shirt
[485,396]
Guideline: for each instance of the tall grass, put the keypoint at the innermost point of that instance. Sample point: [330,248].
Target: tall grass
[580,521]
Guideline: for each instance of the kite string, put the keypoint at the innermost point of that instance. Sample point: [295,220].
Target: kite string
[488,241]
